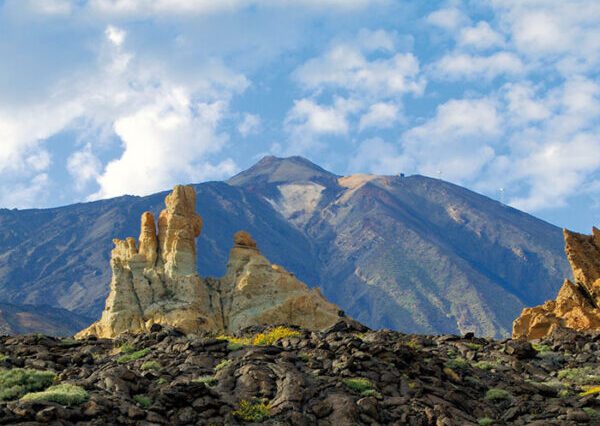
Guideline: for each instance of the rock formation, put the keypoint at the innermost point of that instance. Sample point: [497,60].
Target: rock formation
[154,281]
[577,304]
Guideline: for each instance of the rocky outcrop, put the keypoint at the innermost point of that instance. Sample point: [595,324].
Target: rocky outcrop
[577,304]
[154,281]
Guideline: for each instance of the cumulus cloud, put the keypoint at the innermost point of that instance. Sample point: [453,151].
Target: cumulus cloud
[448,18]
[250,124]
[480,36]
[203,7]
[461,65]
[380,115]
[84,166]
[115,35]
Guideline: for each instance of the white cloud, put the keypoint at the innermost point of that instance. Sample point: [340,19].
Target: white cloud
[481,36]
[565,35]
[115,35]
[522,105]
[50,7]
[455,142]
[461,65]
[250,124]
[345,66]
[203,7]
[448,19]
[84,166]
[308,116]
[380,115]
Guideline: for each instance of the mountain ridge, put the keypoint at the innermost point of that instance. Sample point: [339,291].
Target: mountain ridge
[411,253]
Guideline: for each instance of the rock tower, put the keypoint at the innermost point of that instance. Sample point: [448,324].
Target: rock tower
[577,305]
[154,280]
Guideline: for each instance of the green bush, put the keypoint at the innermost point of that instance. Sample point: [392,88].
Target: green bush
[3,357]
[150,365]
[580,376]
[133,356]
[17,382]
[233,346]
[457,364]
[223,364]
[496,394]
[590,412]
[486,421]
[207,380]
[64,394]
[474,346]
[371,392]
[255,412]
[485,365]
[126,348]
[143,400]
[359,384]
[541,348]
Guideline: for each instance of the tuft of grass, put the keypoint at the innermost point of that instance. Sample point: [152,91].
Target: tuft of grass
[580,376]
[497,394]
[485,365]
[150,365]
[221,365]
[209,381]
[143,400]
[371,392]
[541,348]
[126,348]
[123,359]
[16,382]
[233,346]
[457,364]
[590,412]
[591,391]
[161,381]
[359,384]
[64,394]
[474,346]
[486,421]
[255,411]
[3,357]
[564,393]
[413,344]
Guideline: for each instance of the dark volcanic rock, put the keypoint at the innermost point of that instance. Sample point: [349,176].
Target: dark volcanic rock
[337,377]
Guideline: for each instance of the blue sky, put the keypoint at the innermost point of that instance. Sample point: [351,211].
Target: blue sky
[100,98]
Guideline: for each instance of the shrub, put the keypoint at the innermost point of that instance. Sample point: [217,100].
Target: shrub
[457,364]
[267,338]
[486,421]
[223,364]
[256,411]
[580,376]
[3,357]
[590,411]
[541,348]
[17,382]
[485,365]
[359,384]
[207,380]
[233,346]
[371,392]
[161,381]
[133,356]
[591,391]
[150,365]
[474,346]
[64,394]
[143,400]
[496,394]
[126,348]
[304,357]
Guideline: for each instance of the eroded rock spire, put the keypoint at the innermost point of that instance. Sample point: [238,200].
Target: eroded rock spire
[577,304]
[154,280]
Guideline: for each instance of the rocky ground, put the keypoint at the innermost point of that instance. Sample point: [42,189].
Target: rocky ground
[344,376]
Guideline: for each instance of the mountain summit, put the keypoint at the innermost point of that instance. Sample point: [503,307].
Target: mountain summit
[412,253]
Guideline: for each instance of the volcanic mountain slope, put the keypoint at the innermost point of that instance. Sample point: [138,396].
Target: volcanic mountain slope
[409,253]
[23,319]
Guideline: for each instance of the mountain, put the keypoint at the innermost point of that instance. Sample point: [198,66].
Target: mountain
[24,319]
[409,253]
